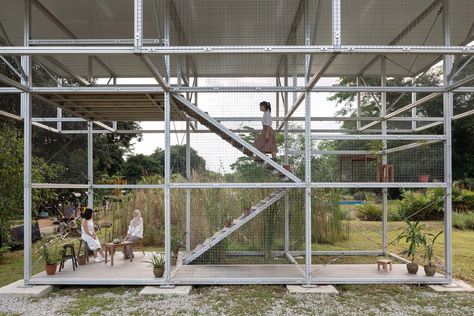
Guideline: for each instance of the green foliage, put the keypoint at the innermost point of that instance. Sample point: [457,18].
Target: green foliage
[421,205]
[429,247]
[329,221]
[140,165]
[369,212]
[52,251]
[464,221]
[157,260]
[414,237]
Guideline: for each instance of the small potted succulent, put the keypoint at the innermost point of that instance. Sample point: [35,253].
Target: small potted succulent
[430,268]
[51,255]
[157,262]
[414,238]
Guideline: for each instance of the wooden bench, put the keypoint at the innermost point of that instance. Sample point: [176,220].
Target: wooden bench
[384,263]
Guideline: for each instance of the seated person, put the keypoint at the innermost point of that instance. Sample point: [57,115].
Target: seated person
[134,233]
[89,236]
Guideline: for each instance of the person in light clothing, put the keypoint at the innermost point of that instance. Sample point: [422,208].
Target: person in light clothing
[89,236]
[134,233]
[266,141]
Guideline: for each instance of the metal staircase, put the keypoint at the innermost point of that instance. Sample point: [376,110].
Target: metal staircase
[236,224]
[232,138]
[237,142]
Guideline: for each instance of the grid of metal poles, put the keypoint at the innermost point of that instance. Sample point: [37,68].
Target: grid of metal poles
[294,104]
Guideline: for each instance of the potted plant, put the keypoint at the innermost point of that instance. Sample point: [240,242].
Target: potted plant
[157,262]
[82,257]
[51,255]
[414,237]
[228,222]
[429,267]
[246,203]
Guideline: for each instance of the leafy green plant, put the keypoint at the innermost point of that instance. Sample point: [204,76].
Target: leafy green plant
[51,252]
[414,237]
[463,220]
[157,260]
[369,212]
[429,247]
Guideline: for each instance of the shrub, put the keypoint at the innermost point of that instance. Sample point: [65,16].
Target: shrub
[463,220]
[369,212]
[422,205]
[360,196]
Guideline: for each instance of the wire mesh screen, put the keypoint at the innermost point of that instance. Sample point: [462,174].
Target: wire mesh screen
[363,161]
[59,158]
[242,226]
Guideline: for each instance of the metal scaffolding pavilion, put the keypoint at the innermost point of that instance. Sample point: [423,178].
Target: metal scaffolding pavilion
[178,43]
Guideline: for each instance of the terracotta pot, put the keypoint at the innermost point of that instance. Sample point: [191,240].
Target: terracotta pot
[246,212]
[51,269]
[423,178]
[412,268]
[227,223]
[158,271]
[430,270]
[81,260]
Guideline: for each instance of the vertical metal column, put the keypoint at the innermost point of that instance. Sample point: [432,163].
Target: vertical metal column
[358,104]
[167,151]
[138,26]
[307,150]
[27,132]
[448,61]
[287,198]
[413,111]
[90,165]
[383,112]
[188,191]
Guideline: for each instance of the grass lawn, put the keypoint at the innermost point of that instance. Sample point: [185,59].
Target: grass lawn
[263,300]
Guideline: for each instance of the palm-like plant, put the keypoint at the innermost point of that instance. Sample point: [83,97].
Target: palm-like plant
[429,247]
[414,237]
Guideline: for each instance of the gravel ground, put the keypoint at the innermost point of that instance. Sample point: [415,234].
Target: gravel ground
[245,300]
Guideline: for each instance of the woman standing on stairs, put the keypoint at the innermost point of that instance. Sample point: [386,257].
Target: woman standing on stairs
[266,141]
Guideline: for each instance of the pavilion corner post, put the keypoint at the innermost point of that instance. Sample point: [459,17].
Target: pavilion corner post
[448,100]
[188,191]
[308,151]
[27,145]
[167,172]
[287,198]
[383,112]
[90,165]
[138,25]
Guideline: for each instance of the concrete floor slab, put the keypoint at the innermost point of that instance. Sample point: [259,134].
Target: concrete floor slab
[455,286]
[17,289]
[316,289]
[156,290]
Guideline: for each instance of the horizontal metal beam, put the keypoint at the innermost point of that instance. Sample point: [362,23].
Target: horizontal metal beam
[368,185]
[378,137]
[120,89]
[189,50]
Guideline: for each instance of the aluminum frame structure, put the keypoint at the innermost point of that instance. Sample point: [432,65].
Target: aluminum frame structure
[163,48]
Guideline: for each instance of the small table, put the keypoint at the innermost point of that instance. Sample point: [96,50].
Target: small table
[110,246]
[384,263]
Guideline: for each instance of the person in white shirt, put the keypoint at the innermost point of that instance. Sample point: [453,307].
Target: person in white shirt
[134,233]
[266,141]
[89,236]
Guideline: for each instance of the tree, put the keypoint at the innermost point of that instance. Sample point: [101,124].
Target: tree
[140,165]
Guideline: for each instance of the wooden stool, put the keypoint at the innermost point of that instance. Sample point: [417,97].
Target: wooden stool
[384,263]
[86,249]
[141,245]
[71,256]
